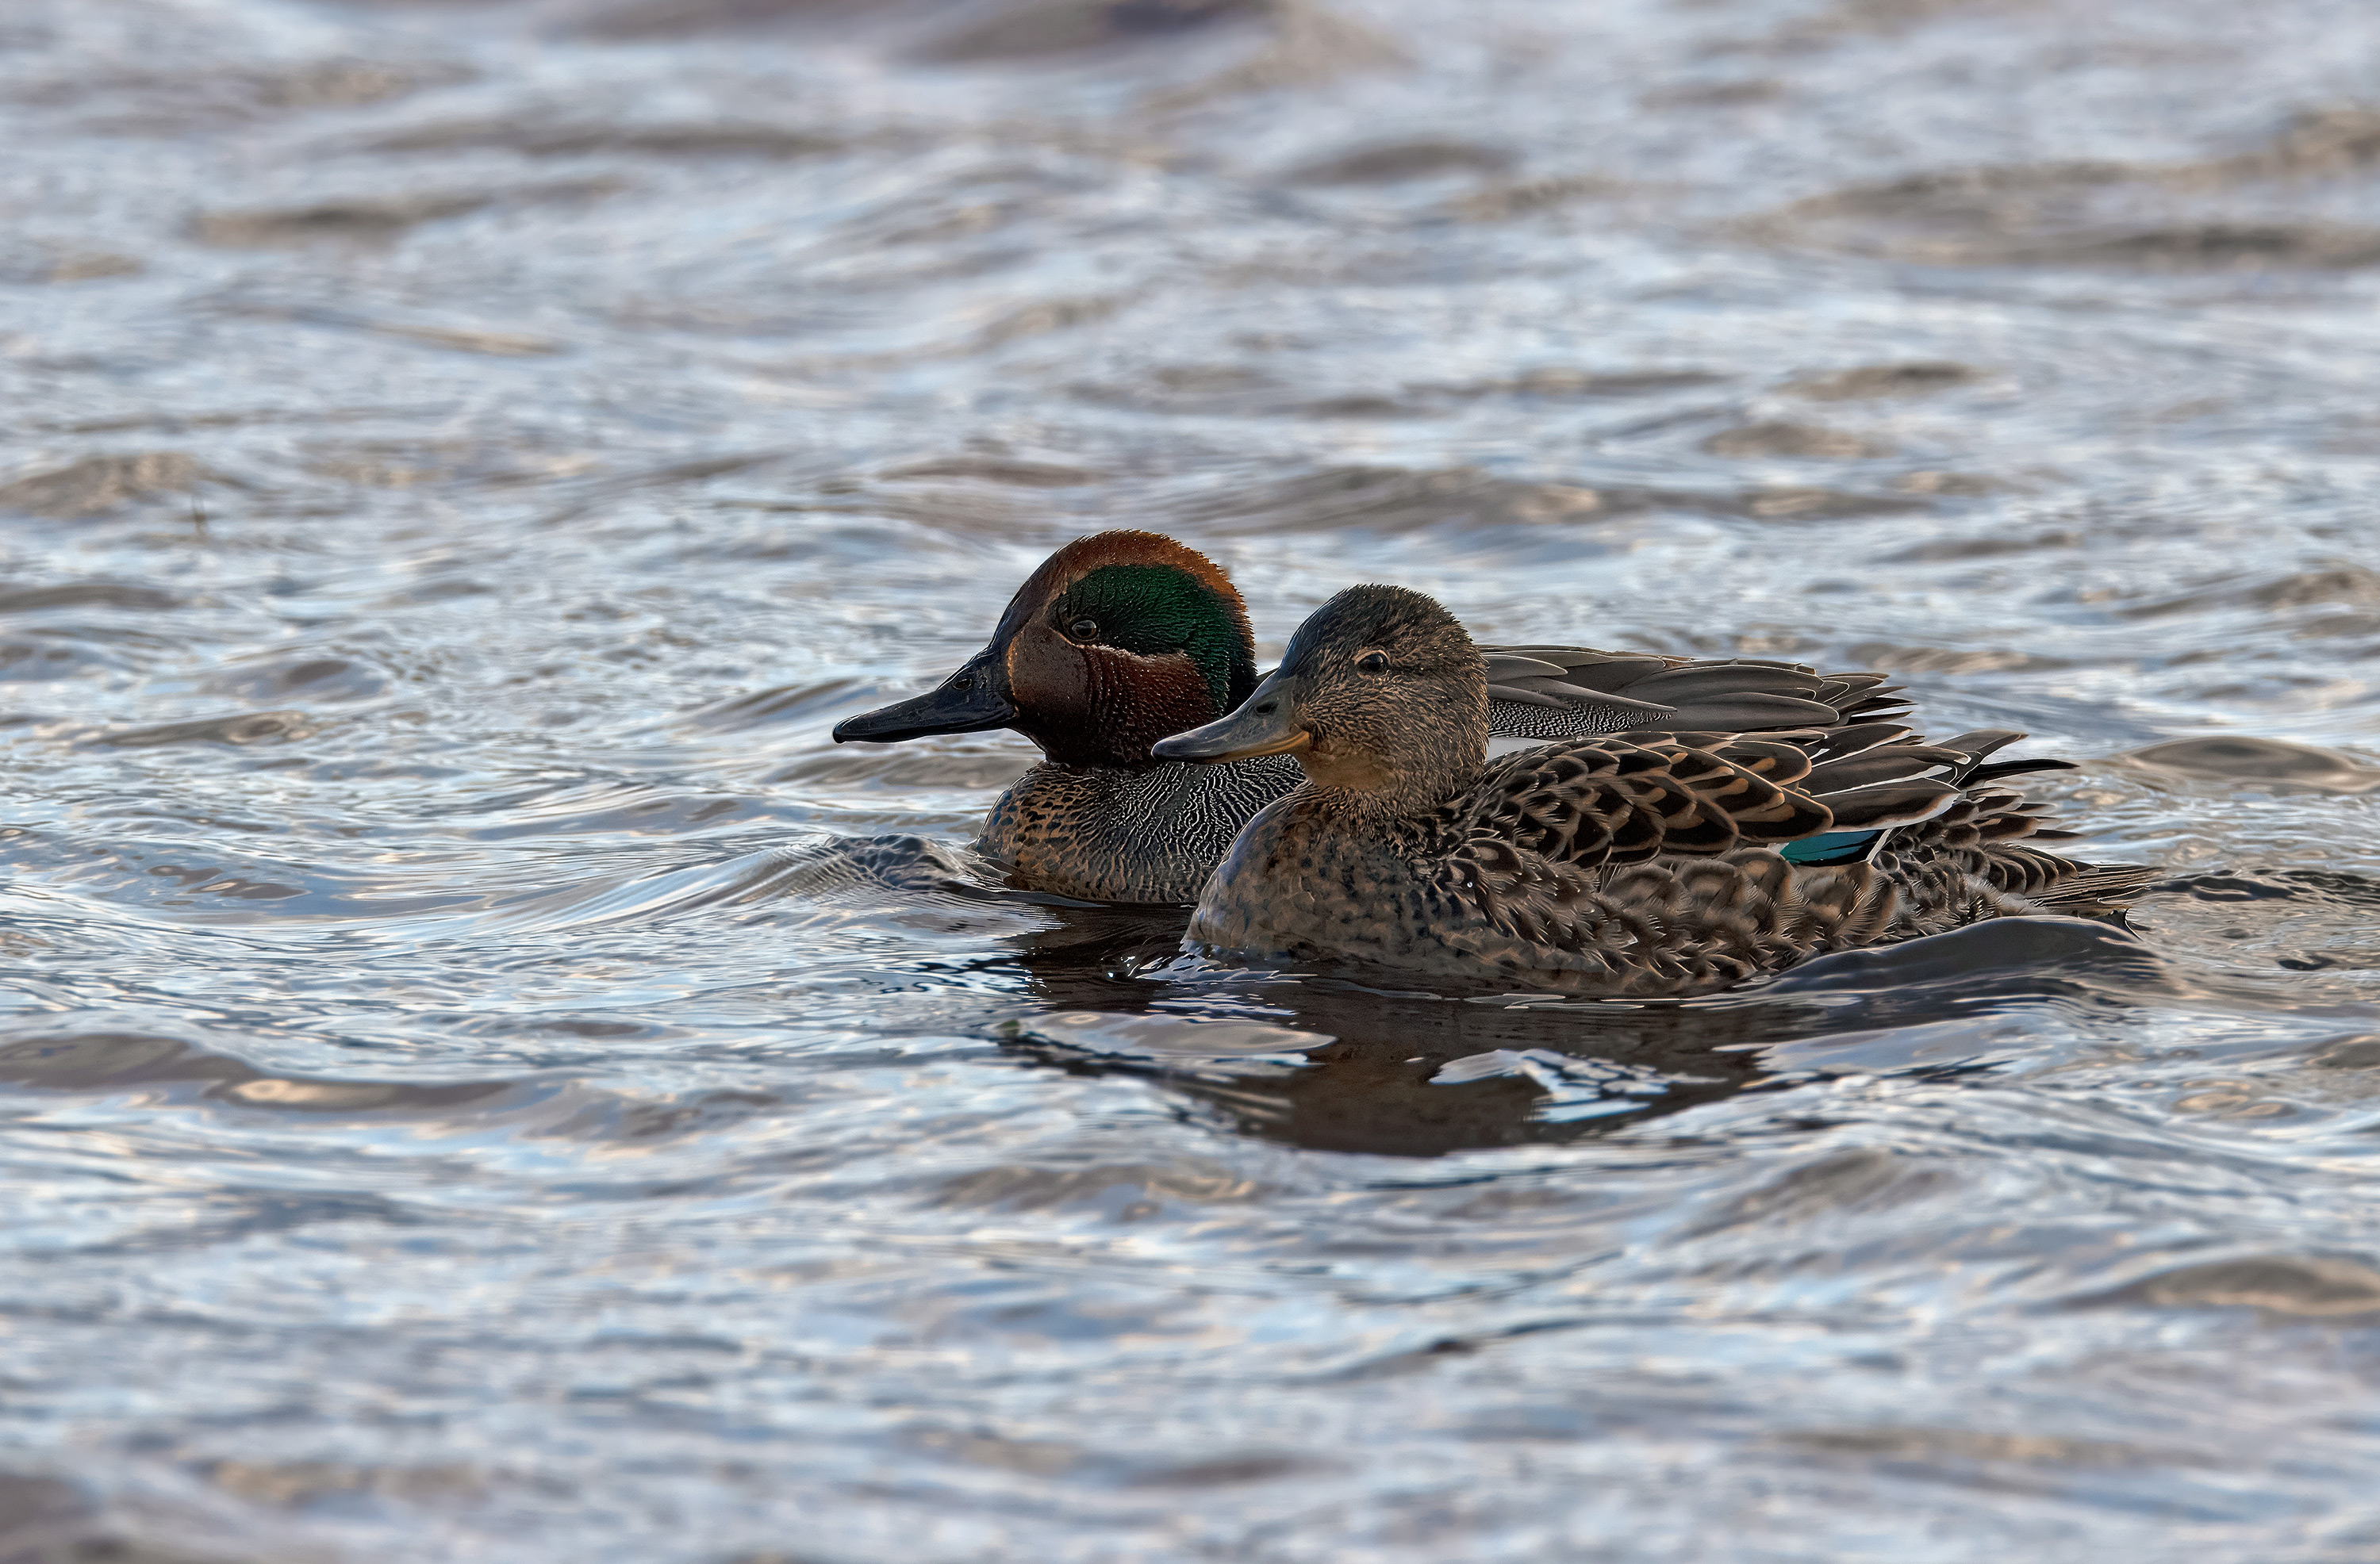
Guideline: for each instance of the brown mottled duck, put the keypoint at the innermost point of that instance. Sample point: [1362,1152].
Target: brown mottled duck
[1636,863]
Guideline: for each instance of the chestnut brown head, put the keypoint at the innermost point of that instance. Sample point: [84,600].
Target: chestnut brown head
[1116,641]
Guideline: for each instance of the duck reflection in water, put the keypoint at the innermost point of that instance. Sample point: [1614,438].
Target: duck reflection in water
[1334,1066]
[1331,1065]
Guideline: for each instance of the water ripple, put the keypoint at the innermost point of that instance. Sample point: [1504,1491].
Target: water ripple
[483,1073]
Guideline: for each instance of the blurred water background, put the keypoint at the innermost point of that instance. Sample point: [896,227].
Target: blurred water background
[483,1077]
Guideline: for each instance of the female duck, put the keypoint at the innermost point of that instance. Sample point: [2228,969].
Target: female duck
[1120,639]
[1646,866]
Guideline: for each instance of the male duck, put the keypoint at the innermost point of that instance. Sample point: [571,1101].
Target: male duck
[1122,639]
[1648,865]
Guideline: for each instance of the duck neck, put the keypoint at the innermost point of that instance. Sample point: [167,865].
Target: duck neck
[1359,786]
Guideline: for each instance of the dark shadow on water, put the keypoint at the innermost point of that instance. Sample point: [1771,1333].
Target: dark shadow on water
[1330,1064]
[1368,1062]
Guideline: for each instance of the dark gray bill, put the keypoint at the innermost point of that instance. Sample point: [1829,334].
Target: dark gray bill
[970,700]
[1266,723]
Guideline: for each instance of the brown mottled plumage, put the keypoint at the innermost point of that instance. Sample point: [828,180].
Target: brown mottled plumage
[1635,865]
[1122,638]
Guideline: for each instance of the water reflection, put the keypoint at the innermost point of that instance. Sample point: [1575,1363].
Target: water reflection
[1334,1065]
[481,1074]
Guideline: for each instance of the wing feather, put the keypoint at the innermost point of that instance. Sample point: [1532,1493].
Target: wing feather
[1591,803]
[1571,692]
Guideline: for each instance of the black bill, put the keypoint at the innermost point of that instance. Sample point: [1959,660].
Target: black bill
[970,700]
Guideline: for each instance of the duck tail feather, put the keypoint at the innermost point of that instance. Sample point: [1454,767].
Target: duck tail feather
[2101,888]
[1890,804]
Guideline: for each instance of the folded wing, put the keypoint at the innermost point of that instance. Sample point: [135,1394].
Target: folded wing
[1568,692]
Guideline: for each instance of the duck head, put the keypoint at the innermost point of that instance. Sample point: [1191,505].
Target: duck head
[1381,697]
[1119,639]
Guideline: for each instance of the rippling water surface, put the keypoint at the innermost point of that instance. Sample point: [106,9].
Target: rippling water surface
[482,1076]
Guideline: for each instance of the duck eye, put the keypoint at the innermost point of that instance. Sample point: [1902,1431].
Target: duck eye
[1084,629]
[1373,663]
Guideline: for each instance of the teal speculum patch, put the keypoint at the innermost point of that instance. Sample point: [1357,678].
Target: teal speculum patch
[1831,847]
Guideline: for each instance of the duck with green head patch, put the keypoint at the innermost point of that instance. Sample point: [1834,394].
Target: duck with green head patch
[1123,638]
[1645,865]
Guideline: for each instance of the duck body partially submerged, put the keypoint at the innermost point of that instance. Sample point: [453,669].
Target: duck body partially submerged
[1639,864]
[1121,639]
